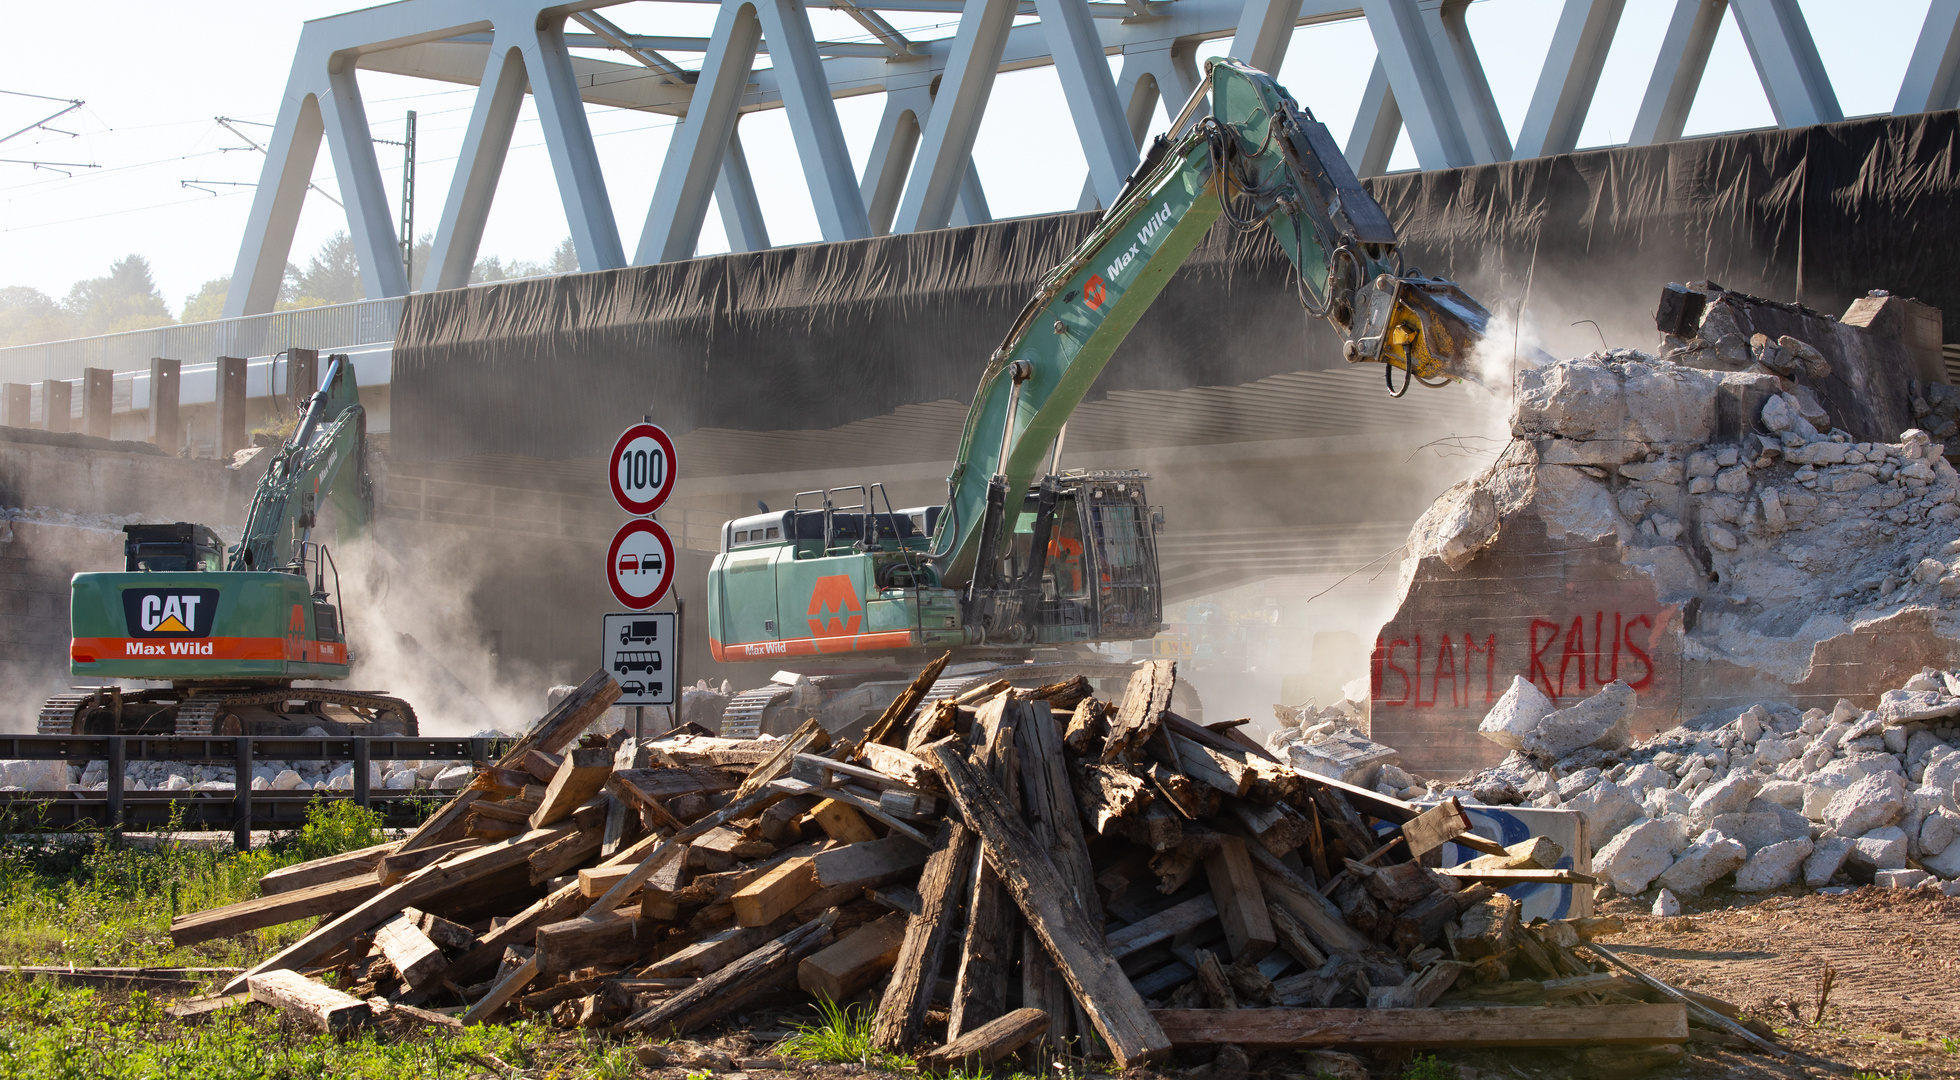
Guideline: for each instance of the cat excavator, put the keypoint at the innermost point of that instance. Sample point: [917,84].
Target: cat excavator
[1023,569]
[232,630]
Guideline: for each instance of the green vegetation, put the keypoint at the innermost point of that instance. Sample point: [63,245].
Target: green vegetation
[50,1032]
[92,902]
[842,1034]
[1428,1067]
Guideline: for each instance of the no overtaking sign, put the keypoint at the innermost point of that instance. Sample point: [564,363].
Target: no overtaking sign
[640,560]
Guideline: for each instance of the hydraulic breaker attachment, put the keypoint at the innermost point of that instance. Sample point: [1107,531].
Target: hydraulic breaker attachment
[1427,327]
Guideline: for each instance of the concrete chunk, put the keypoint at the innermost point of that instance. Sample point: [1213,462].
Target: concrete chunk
[1873,802]
[1604,720]
[1880,849]
[1731,795]
[1774,866]
[1826,859]
[1515,714]
[1640,853]
[1706,861]
[1346,756]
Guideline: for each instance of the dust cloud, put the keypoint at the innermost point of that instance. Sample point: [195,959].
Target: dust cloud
[1307,634]
[414,631]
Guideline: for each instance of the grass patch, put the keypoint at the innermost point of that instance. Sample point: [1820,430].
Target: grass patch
[1428,1067]
[90,901]
[50,1032]
[841,1034]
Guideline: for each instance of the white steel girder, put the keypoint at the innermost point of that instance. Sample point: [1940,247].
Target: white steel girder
[920,174]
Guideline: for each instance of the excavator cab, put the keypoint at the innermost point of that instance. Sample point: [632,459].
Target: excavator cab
[176,546]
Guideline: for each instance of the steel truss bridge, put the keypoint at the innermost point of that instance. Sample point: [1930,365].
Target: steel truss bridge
[1427,80]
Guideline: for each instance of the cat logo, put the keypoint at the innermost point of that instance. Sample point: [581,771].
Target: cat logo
[154,613]
[832,596]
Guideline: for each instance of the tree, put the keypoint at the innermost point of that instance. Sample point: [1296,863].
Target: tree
[565,259]
[126,299]
[332,276]
[208,302]
[30,315]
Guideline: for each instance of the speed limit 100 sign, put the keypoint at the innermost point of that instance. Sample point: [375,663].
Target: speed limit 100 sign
[642,469]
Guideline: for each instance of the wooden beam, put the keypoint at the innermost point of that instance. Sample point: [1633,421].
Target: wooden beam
[752,803]
[329,897]
[565,855]
[313,1005]
[520,929]
[1316,913]
[1241,903]
[869,864]
[413,891]
[942,885]
[845,968]
[986,1044]
[580,777]
[809,738]
[775,893]
[415,958]
[734,985]
[585,941]
[712,952]
[1507,878]
[499,995]
[1140,716]
[1162,926]
[841,822]
[892,720]
[1603,1025]
[987,950]
[1075,944]
[1048,805]
[305,875]
[397,865]
[898,765]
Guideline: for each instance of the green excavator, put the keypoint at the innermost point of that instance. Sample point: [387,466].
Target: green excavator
[231,631]
[1023,569]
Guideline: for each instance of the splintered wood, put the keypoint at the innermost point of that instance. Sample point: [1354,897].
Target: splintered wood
[1017,869]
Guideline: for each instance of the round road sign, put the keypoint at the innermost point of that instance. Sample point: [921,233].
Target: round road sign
[642,469]
[640,564]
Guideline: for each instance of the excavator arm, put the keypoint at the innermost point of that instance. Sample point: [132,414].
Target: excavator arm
[325,460]
[1257,158]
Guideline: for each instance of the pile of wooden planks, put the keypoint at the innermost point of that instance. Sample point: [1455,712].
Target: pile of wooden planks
[1030,870]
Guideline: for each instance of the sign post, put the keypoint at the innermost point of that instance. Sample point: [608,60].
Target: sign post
[641,648]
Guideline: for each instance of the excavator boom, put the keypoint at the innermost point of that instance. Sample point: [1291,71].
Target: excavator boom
[1256,158]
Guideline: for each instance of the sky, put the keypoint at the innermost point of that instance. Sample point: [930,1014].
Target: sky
[142,167]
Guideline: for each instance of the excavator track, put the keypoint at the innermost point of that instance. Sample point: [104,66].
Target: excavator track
[58,714]
[742,719]
[201,715]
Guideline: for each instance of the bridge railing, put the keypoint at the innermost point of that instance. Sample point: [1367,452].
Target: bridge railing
[326,328]
[114,809]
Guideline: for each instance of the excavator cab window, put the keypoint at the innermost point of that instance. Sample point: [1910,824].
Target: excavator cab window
[177,546]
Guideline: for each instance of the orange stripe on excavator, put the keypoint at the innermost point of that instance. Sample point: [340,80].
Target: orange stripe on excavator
[810,646]
[91,650]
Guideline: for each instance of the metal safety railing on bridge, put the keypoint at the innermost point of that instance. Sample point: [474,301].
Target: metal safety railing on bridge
[328,328]
[115,809]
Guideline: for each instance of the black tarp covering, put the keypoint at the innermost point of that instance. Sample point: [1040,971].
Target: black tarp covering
[821,335]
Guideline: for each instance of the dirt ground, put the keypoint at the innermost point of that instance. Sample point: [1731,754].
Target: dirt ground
[1894,998]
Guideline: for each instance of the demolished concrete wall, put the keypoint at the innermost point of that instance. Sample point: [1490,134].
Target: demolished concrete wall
[64,499]
[1710,534]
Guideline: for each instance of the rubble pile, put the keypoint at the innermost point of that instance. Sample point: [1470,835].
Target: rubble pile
[1774,797]
[1004,868]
